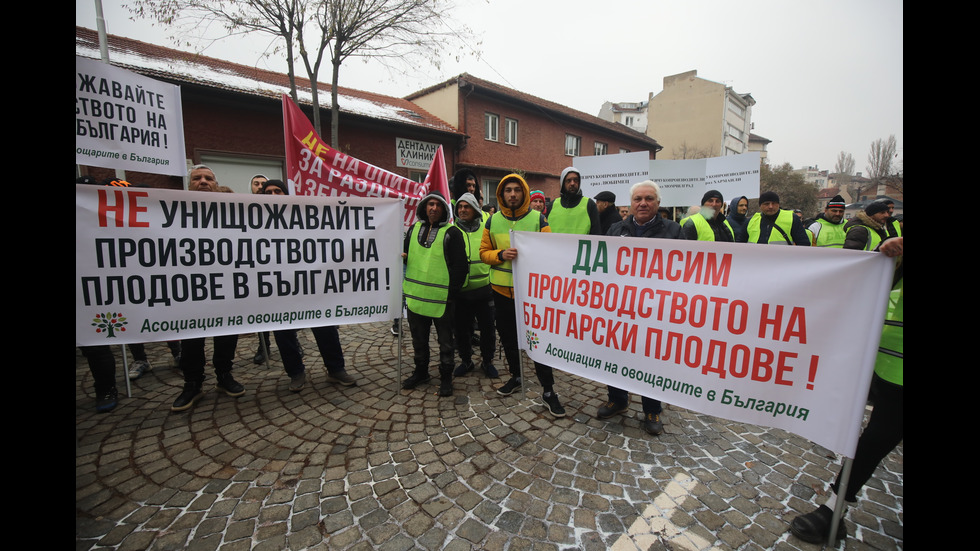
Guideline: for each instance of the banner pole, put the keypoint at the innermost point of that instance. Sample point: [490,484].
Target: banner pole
[265,350]
[835,520]
[129,390]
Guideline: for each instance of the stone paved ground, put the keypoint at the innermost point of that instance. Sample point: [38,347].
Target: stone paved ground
[374,467]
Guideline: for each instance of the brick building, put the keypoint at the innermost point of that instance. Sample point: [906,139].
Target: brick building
[510,131]
[232,115]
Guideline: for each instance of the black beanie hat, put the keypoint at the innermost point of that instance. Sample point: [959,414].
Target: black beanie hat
[712,193]
[768,196]
[275,183]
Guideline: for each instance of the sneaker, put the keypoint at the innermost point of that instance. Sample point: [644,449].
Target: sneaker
[652,424]
[509,387]
[814,527]
[554,406]
[610,409]
[446,387]
[106,402]
[463,369]
[342,378]
[192,393]
[297,382]
[139,368]
[415,380]
[489,370]
[231,387]
[395,327]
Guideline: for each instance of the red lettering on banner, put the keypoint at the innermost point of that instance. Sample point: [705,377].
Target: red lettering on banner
[124,211]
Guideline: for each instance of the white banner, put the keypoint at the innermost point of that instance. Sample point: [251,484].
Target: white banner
[127,121]
[154,265]
[764,335]
[682,182]
[615,173]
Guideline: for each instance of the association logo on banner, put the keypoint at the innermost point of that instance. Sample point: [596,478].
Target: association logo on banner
[532,340]
[109,323]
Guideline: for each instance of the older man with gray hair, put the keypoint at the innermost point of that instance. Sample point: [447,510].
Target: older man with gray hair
[644,222]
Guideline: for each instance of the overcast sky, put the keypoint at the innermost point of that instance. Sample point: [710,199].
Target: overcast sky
[827,75]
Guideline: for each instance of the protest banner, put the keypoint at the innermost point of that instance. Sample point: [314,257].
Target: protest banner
[127,121]
[314,168]
[682,182]
[763,335]
[615,173]
[154,264]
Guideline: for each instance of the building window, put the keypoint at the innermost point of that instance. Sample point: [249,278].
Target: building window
[510,131]
[573,145]
[601,148]
[736,108]
[492,126]
[629,120]
[623,150]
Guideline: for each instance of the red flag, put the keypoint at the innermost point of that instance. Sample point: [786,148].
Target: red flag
[315,168]
[436,179]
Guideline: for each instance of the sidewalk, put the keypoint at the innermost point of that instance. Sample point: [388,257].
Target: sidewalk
[374,467]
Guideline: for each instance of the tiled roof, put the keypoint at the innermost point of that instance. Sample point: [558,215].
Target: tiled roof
[190,68]
[550,106]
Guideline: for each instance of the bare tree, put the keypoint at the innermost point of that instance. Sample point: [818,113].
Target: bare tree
[399,31]
[880,159]
[844,169]
[685,151]
[791,186]
[280,19]
[394,30]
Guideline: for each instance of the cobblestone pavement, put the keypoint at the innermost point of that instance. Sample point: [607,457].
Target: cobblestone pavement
[375,467]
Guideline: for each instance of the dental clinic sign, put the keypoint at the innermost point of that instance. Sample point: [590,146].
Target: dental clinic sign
[414,154]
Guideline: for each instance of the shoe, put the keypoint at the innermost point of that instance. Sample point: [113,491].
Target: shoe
[610,409]
[395,328]
[415,380]
[259,357]
[814,527]
[463,369]
[489,370]
[139,368]
[106,402]
[342,378]
[192,393]
[652,424]
[446,387]
[509,387]
[554,406]
[231,387]
[297,382]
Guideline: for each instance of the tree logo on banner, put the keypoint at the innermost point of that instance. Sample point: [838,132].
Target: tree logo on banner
[109,323]
[532,339]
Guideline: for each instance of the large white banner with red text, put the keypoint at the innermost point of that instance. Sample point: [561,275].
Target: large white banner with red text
[314,168]
[777,336]
[154,265]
